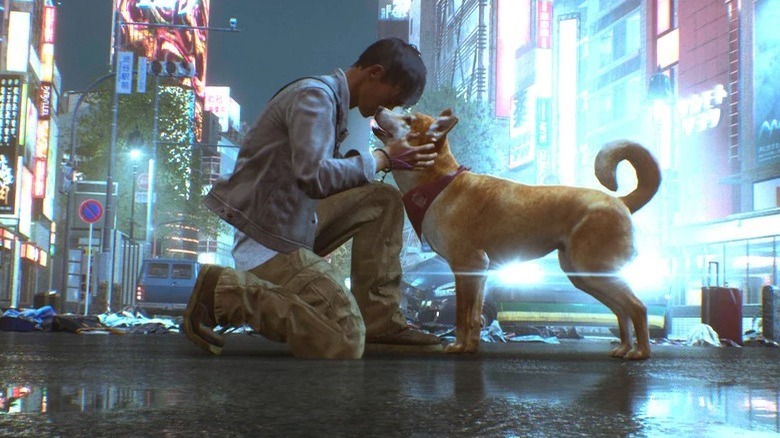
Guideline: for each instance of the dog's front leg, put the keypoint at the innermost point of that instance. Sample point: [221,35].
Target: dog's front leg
[469,292]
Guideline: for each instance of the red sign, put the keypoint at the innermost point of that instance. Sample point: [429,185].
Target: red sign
[90,211]
[544,24]
[49,19]
[39,180]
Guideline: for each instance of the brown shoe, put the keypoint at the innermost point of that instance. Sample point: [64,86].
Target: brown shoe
[199,320]
[406,336]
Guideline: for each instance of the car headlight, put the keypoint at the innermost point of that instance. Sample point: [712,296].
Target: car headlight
[519,273]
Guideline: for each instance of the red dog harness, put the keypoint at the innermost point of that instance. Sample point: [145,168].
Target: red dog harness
[417,200]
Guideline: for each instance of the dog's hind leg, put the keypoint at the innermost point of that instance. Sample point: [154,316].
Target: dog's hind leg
[600,245]
[623,319]
[470,276]
[616,289]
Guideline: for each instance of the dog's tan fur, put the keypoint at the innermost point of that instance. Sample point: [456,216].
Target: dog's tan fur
[481,220]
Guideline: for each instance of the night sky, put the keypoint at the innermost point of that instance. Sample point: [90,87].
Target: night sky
[279,41]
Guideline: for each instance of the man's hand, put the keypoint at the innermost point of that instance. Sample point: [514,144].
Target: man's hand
[400,155]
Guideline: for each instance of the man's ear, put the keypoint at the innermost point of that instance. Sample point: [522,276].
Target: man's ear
[376,71]
[442,125]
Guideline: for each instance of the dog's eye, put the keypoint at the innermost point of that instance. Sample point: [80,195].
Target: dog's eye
[408,119]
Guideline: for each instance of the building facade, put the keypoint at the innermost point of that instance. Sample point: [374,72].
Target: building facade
[30,86]
[692,81]
[727,110]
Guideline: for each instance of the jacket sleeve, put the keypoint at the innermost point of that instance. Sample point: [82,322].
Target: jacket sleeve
[310,121]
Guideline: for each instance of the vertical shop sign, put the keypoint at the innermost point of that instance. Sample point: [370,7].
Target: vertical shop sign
[10,121]
[124,73]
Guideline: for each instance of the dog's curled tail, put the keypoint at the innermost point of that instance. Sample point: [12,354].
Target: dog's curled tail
[648,173]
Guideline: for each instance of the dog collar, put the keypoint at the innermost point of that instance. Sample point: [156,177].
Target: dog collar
[417,200]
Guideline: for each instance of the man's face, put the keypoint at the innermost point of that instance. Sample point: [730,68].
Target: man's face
[375,93]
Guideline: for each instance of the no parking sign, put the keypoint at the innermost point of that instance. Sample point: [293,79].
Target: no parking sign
[90,211]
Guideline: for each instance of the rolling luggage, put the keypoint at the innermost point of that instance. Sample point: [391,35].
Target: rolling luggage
[721,309]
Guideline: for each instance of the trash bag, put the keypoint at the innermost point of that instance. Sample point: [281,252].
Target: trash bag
[79,324]
[703,334]
[493,333]
[16,324]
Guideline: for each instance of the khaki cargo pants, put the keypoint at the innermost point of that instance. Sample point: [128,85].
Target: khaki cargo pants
[298,298]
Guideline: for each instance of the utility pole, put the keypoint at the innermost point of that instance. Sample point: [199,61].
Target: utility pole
[107,241]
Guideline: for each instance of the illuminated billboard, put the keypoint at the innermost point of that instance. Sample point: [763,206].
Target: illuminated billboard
[544,24]
[513,32]
[234,115]
[766,70]
[11,108]
[218,102]
[18,46]
[44,102]
[168,43]
[566,98]
[394,10]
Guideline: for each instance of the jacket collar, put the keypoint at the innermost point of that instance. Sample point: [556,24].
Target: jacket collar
[339,82]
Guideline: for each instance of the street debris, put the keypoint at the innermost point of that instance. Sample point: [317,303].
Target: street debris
[134,321]
[703,334]
[123,322]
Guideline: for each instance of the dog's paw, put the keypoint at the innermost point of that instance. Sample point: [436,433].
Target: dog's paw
[460,347]
[638,353]
[620,351]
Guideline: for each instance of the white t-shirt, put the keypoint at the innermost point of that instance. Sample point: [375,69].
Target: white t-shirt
[249,254]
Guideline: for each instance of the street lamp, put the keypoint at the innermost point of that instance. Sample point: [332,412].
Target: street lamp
[134,140]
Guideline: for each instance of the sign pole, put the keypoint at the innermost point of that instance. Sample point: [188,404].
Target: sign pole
[90,211]
[89,269]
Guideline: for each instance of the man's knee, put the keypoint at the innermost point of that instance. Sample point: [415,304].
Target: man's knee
[343,333]
[386,193]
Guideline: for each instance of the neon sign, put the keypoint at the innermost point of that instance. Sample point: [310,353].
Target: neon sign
[702,111]
[10,123]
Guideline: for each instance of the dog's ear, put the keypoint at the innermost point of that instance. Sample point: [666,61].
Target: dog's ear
[442,125]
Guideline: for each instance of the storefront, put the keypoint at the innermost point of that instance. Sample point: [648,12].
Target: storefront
[740,251]
[7,241]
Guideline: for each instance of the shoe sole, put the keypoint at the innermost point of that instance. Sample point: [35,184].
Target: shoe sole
[207,277]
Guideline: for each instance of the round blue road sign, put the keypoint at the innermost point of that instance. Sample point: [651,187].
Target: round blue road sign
[90,211]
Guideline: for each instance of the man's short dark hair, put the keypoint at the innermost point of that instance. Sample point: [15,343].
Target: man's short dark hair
[403,64]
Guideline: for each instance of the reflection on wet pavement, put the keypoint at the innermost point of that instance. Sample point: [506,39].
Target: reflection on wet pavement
[95,386]
[41,400]
[684,407]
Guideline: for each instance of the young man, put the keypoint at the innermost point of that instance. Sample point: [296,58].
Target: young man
[295,196]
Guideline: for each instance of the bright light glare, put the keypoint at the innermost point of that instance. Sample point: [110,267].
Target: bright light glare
[519,273]
[646,272]
[135,154]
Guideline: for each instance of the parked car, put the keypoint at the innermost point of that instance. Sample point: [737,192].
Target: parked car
[165,285]
[534,293]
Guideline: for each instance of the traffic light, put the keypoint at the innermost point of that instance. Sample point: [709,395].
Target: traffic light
[175,69]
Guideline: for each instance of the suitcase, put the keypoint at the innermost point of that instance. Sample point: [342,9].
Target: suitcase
[770,313]
[721,309]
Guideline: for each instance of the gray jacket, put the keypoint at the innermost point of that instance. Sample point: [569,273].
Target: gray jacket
[288,160]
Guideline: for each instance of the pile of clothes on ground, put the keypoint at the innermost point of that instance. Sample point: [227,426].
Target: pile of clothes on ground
[127,321]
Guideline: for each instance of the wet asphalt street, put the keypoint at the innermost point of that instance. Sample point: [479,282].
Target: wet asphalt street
[160,385]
